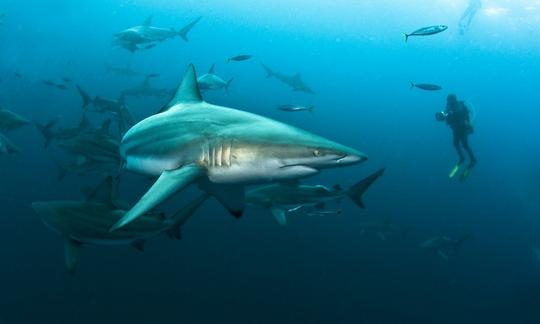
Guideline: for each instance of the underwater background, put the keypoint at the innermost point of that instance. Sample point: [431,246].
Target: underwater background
[316,269]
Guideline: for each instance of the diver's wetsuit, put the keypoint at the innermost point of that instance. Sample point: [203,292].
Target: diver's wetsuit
[459,120]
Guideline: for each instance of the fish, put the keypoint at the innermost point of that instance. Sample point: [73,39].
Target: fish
[60,86]
[294,81]
[10,121]
[279,197]
[294,108]
[210,81]
[88,221]
[7,146]
[426,31]
[239,58]
[66,80]
[221,150]
[145,89]
[426,86]
[50,133]
[148,36]
[98,147]
[48,83]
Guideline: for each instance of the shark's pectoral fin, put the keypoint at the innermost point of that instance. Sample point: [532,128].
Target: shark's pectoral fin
[230,196]
[166,185]
[138,245]
[71,254]
[279,214]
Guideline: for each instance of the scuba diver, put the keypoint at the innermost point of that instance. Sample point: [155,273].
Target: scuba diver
[457,116]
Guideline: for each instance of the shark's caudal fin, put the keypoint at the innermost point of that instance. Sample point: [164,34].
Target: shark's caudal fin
[186,29]
[46,131]
[182,216]
[84,96]
[71,254]
[169,183]
[406,37]
[412,85]
[269,72]
[356,191]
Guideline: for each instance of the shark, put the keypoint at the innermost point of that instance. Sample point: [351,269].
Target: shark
[210,81]
[145,89]
[221,150]
[88,221]
[294,81]
[148,35]
[51,133]
[443,245]
[10,121]
[283,197]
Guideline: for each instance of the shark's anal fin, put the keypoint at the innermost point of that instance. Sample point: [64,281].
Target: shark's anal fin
[230,196]
[168,184]
[71,254]
[279,214]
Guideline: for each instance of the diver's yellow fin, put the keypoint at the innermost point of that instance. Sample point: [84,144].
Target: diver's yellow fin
[454,171]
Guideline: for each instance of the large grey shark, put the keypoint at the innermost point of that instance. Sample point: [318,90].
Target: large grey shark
[11,121]
[211,81]
[89,221]
[222,149]
[132,38]
[146,89]
[282,197]
[294,81]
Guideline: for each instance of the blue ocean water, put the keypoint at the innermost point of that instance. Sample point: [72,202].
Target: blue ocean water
[316,269]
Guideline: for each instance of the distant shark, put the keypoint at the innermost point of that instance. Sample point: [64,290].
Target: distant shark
[443,245]
[210,81]
[221,149]
[133,38]
[10,121]
[89,221]
[294,81]
[282,197]
[145,89]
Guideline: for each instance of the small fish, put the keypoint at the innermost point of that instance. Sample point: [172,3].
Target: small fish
[239,58]
[60,86]
[425,31]
[294,108]
[426,86]
[66,80]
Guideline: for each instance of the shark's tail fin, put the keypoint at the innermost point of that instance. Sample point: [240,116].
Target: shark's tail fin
[46,131]
[406,37]
[269,72]
[356,191]
[84,96]
[186,29]
[412,85]
[311,109]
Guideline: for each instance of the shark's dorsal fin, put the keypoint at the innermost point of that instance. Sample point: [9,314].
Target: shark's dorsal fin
[104,193]
[148,21]
[212,69]
[188,91]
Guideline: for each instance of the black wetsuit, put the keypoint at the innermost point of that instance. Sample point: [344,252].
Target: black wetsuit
[459,120]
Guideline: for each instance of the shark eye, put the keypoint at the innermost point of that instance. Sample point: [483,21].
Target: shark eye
[316,153]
